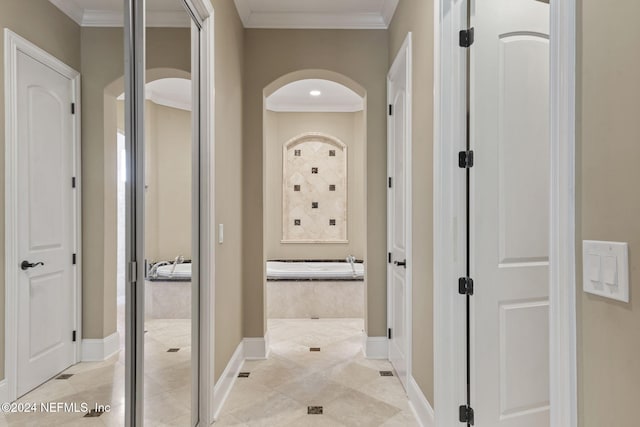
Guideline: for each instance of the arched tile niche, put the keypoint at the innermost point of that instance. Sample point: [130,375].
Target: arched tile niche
[314,202]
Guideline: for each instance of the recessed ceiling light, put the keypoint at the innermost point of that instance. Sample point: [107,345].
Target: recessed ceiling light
[315,93]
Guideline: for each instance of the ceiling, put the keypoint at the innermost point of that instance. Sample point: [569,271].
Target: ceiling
[329,14]
[171,92]
[296,97]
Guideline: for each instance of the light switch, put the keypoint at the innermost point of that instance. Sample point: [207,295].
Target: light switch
[610,270]
[592,262]
[606,269]
[220,233]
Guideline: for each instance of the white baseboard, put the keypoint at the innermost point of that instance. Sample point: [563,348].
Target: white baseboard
[227,379]
[97,350]
[420,405]
[376,347]
[256,348]
[4,391]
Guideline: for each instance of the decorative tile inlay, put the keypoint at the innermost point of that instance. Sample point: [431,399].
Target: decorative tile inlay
[297,222]
[64,376]
[314,349]
[329,189]
[386,373]
[243,374]
[173,350]
[314,410]
[93,413]
[332,222]
[297,153]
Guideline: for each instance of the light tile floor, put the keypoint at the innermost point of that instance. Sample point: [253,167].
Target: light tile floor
[349,387]
[167,384]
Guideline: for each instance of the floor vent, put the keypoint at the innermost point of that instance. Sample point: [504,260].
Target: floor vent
[93,413]
[173,350]
[386,373]
[314,349]
[243,374]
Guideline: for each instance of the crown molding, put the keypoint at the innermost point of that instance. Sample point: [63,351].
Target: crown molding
[336,20]
[102,18]
[70,8]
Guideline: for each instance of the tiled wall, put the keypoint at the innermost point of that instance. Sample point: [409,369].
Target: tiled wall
[314,202]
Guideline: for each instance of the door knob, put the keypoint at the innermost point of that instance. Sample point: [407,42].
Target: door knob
[25,265]
[401,263]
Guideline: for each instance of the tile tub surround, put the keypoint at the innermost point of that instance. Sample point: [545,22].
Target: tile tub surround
[306,299]
[167,384]
[167,299]
[314,202]
[334,387]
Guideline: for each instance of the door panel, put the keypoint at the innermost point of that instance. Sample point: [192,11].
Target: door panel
[510,213]
[397,217]
[45,223]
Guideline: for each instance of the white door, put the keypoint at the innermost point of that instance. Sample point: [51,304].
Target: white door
[398,213]
[510,213]
[45,223]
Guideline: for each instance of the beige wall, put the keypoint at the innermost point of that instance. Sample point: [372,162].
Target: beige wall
[229,41]
[280,128]
[102,51]
[361,56]
[608,139]
[171,182]
[44,25]
[417,16]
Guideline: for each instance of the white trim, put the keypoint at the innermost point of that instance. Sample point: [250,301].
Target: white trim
[404,55]
[420,406]
[12,44]
[70,8]
[256,348]
[4,391]
[97,350]
[450,69]
[375,347]
[227,380]
[562,264]
[325,20]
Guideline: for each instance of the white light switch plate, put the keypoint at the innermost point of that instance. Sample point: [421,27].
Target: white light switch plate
[605,268]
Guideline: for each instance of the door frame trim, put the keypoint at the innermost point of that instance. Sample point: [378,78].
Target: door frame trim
[12,44]
[449,256]
[404,55]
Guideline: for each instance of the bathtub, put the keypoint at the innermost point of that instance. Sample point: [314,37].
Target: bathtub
[167,272]
[168,295]
[314,270]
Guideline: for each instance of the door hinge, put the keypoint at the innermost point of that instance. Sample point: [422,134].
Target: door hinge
[73,182]
[466,37]
[73,336]
[73,108]
[390,109]
[465,159]
[390,182]
[466,414]
[465,286]
[389,258]
[389,333]
[73,259]
[133,271]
